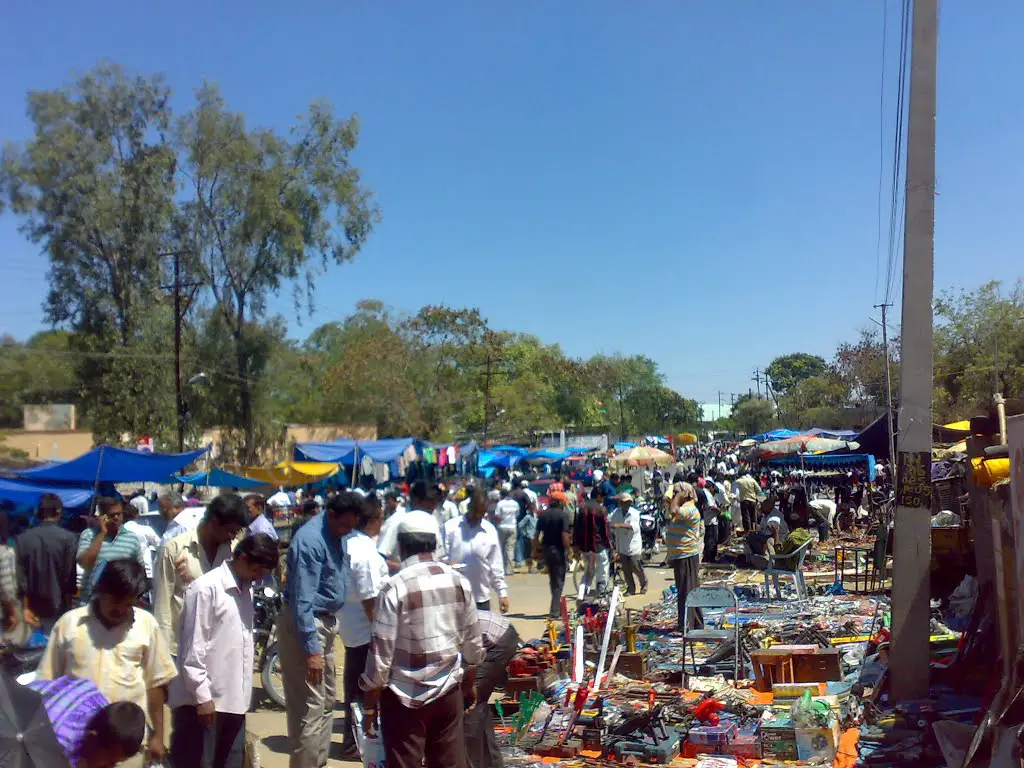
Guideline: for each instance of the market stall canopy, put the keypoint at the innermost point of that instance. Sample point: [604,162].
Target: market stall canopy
[344,451]
[686,438]
[497,459]
[623,446]
[292,472]
[219,478]
[804,444]
[24,494]
[835,434]
[775,434]
[512,449]
[643,456]
[107,464]
[837,461]
[545,457]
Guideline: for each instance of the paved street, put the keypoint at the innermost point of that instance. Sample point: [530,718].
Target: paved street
[529,598]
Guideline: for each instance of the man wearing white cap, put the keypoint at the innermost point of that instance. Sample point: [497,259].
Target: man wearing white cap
[424,632]
[625,525]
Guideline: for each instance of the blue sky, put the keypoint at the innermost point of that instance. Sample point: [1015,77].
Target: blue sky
[694,181]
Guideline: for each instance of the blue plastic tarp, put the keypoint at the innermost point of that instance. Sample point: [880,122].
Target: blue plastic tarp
[24,494]
[548,456]
[114,465]
[622,446]
[495,459]
[775,434]
[513,449]
[340,451]
[824,460]
[835,434]
[221,479]
[343,450]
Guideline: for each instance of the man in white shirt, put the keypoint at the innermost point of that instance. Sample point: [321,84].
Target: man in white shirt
[625,525]
[364,573]
[473,542]
[530,494]
[212,692]
[506,518]
[148,537]
[422,497]
[185,521]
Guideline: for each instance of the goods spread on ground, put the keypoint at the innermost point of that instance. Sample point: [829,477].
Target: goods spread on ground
[810,688]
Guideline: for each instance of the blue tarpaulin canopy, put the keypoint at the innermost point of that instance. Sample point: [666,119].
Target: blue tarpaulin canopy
[495,459]
[24,494]
[623,446]
[828,460]
[513,449]
[546,456]
[107,464]
[343,450]
[219,478]
[775,434]
[835,434]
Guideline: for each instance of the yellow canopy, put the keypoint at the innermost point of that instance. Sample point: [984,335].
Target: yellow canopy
[292,472]
[686,438]
[960,426]
[988,472]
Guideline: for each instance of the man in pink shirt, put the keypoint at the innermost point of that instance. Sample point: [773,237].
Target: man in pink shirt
[211,694]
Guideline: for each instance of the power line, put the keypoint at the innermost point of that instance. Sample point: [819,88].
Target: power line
[896,197]
[881,143]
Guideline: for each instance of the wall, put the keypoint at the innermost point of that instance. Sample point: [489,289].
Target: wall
[326,433]
[49,444]
[48,418]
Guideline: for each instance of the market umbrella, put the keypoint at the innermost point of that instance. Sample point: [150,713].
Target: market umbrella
[803,444]
[26,736]
[643,456]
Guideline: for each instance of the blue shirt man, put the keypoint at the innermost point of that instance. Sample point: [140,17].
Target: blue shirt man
[307,627]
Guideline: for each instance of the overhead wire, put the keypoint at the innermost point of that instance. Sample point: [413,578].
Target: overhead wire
[881,145]
[897,193]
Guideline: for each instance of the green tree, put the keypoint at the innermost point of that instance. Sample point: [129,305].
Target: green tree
[263,210]
[979,347]
[861,366]
[815,401]
[786,371]
[753,416]
[40,371]
[94,188]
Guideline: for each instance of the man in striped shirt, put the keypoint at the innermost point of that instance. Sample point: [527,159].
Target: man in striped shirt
[424,631]
[501,641]
[110,540]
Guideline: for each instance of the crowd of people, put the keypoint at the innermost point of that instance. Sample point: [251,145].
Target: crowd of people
[156,610]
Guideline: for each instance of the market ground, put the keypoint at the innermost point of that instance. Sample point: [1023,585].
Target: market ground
[528,598]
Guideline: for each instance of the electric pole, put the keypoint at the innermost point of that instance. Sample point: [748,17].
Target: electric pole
[888,383]
[182,303]
[489,372]
[912,551]
[757,378]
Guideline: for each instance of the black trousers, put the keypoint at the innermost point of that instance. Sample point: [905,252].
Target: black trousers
[193,745]
[481,746]
[686,571]
[748,511]
[432,733]
[554,559]
[631,566]
[355,663]
[710,543]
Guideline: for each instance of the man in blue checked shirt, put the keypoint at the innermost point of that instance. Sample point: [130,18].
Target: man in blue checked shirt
[307,627]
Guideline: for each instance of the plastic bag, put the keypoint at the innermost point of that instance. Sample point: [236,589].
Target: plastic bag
[802,711]
[370,747]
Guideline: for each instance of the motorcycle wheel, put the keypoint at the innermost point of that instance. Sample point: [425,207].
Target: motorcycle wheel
[270,676]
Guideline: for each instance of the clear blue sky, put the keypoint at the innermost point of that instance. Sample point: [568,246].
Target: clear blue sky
[694,181]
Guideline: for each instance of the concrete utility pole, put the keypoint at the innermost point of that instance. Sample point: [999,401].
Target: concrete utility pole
[757,378]
[888,382]
[912,547]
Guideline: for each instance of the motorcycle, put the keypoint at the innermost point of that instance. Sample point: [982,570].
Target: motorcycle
[650,530]
[266,608]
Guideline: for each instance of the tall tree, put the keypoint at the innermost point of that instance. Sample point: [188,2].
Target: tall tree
[752,416]
[786,371]
[265,209]
[94,187]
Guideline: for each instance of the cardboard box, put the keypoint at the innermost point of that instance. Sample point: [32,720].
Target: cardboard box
[817,742]
[722,733]
[778,739]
